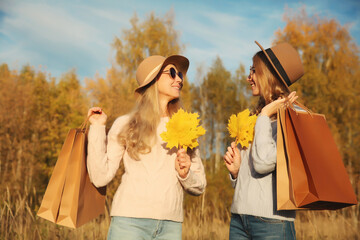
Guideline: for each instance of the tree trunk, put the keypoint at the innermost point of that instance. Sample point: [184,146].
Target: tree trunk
[218,132]
[203,145]
[217,148]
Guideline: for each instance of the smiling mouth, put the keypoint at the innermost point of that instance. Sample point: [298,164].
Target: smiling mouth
[178,87]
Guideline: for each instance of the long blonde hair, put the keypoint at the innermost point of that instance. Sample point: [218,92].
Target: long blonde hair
[270,85]
[139,134]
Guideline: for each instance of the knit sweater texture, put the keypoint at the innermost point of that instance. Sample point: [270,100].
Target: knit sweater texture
[255,186]
[150,187]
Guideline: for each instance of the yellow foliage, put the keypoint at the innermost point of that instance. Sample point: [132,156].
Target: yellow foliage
[183,130]
[241,127]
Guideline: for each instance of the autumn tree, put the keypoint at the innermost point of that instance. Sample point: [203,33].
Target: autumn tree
[331,84]
[220,95]
[38,114]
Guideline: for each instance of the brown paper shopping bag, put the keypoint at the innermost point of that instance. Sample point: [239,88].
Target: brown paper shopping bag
[284,191]
[317,176]
[77,200]
[81,200]
[49,207]
[328,179]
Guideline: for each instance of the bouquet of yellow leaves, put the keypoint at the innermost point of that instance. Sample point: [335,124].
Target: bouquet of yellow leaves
[183,130]
[241,127]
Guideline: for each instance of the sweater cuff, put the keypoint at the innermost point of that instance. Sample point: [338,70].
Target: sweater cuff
[99,126]
[185,178]
[97,137]
[97,129]
[233,181]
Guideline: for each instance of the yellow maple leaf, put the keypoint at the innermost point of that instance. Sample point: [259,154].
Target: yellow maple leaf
[241,127]
[183,130]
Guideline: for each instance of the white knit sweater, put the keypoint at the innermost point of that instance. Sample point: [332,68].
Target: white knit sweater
[151,187]
[255,186]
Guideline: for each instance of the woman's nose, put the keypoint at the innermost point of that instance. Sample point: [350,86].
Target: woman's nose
[178,79]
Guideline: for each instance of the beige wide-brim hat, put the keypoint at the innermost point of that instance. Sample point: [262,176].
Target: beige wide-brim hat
[150,67]
[286,61]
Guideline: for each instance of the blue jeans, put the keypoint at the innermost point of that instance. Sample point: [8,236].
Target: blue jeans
[254,227]
[128,228]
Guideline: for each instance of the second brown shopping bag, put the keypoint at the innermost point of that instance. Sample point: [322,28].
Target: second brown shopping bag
[317,178]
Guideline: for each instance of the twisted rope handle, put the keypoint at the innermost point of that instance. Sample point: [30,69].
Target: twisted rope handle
[85,124]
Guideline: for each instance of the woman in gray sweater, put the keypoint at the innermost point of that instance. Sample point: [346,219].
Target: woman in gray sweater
[252,170]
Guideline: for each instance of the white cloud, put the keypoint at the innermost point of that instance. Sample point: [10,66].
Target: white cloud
[42,23]
[115,16]
[60,37]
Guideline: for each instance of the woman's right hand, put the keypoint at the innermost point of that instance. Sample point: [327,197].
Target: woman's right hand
[97,116]
[232,160]
[271,108]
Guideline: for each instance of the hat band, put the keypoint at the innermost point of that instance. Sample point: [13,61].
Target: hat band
[151,73]
[278,66]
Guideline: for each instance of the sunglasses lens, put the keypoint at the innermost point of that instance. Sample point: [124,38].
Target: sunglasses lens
[180,75]
[172,73]
[252,70]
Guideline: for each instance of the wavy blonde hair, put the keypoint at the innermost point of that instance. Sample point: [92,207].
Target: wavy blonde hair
[270,85]
[139,134]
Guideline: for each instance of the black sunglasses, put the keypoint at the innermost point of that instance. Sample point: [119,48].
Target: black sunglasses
[252,70]
[173,73]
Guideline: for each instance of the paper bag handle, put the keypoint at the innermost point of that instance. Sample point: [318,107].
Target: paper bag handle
[303,107]
[85,124]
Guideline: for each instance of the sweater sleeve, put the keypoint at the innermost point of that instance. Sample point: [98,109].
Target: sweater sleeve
[232,180]
[264,146]
[104,153]
[195,182]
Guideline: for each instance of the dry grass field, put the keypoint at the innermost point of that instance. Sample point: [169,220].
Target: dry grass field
[206,217]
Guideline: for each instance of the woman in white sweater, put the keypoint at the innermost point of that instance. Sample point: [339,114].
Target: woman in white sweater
[149,201]
[252,170]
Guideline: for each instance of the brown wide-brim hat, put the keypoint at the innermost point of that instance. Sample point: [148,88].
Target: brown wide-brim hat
[151,66]
[286,62]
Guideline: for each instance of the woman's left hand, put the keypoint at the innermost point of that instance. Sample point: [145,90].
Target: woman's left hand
[272,107]
[182,163]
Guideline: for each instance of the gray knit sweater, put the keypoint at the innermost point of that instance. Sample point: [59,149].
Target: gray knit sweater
[255,186]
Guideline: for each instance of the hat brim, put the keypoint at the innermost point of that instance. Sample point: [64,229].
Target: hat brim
[273,65]
[180,62]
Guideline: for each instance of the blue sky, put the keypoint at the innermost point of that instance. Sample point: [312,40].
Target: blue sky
[56,36]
